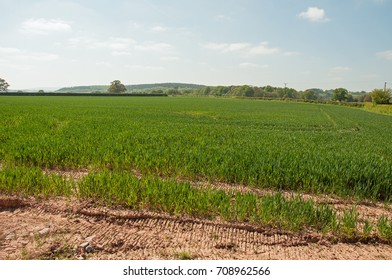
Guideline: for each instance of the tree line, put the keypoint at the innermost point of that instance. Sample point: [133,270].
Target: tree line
[377,96]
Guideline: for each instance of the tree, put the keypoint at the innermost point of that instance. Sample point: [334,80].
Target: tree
[117,87]
[3,85]
[380,96]
[340,94]
[309,94]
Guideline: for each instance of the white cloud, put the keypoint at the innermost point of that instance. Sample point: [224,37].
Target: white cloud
[246,65]
[314,14]
[158,28]
[246,49]
[103,63]
[215,46]
[340,69]
[121,53]
[291,53]
[9,50]
[44,26]
[145,67]
[13,65]
[338,73]
[237,47]
[226,48]
[262,49]
[170,58]
[154,46]
[18,54]
[222,18]
[119,44]
[135,25]
[385,55]
[38,56]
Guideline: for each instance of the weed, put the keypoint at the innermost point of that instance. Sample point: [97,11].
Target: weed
[367,228]
[184,255]
[384,227]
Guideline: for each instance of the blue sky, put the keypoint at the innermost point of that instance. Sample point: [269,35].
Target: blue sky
[307,44]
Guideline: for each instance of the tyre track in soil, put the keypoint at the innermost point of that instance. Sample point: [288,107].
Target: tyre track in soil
[61,229]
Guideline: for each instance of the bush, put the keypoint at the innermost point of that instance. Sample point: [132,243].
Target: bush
[380,96]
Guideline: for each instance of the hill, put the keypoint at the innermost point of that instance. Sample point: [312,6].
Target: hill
[138,87]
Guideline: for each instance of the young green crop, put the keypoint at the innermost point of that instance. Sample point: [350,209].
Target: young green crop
[174,197]
[27,181]
[181,198]
[305,147]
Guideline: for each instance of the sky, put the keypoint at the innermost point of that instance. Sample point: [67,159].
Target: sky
[307,44]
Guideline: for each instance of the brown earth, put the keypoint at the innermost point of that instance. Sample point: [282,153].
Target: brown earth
[70,229]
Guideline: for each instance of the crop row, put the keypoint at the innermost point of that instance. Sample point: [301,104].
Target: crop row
[180,198]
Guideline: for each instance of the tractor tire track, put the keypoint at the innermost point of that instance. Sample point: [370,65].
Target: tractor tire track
[64,229]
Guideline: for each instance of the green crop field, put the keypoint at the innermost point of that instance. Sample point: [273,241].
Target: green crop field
[306,148]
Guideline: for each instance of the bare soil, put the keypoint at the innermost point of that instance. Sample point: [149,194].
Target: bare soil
[70,229]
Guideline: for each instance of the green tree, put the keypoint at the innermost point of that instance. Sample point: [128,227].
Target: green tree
[380,96]
[3,85]
[350,98]
[116,87]
[242,91]
[173,91]
[340,94]
[309,94]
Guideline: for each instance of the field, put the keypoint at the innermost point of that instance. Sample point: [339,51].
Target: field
[309,173]
[385,109]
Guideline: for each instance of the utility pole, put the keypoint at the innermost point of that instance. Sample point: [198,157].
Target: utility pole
[385,87]
[285,86]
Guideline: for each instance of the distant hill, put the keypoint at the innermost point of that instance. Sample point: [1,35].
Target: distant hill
[139,87]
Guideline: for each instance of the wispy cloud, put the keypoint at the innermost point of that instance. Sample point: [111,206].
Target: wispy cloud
[121,53]
[385,55]
[170,58]
[10,50]
[246,49]
[222,18]
[113,43]
[341,69]
[314,14]
[339,72]
[262,49]
[103,64]
[154,46]
[159,29]
[247,65]
[135,25]
[225,47]
[44,26]
[19,54]
[121,45]
[291,53]
[145,67]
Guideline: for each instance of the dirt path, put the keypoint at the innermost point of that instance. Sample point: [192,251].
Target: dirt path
[64,229]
